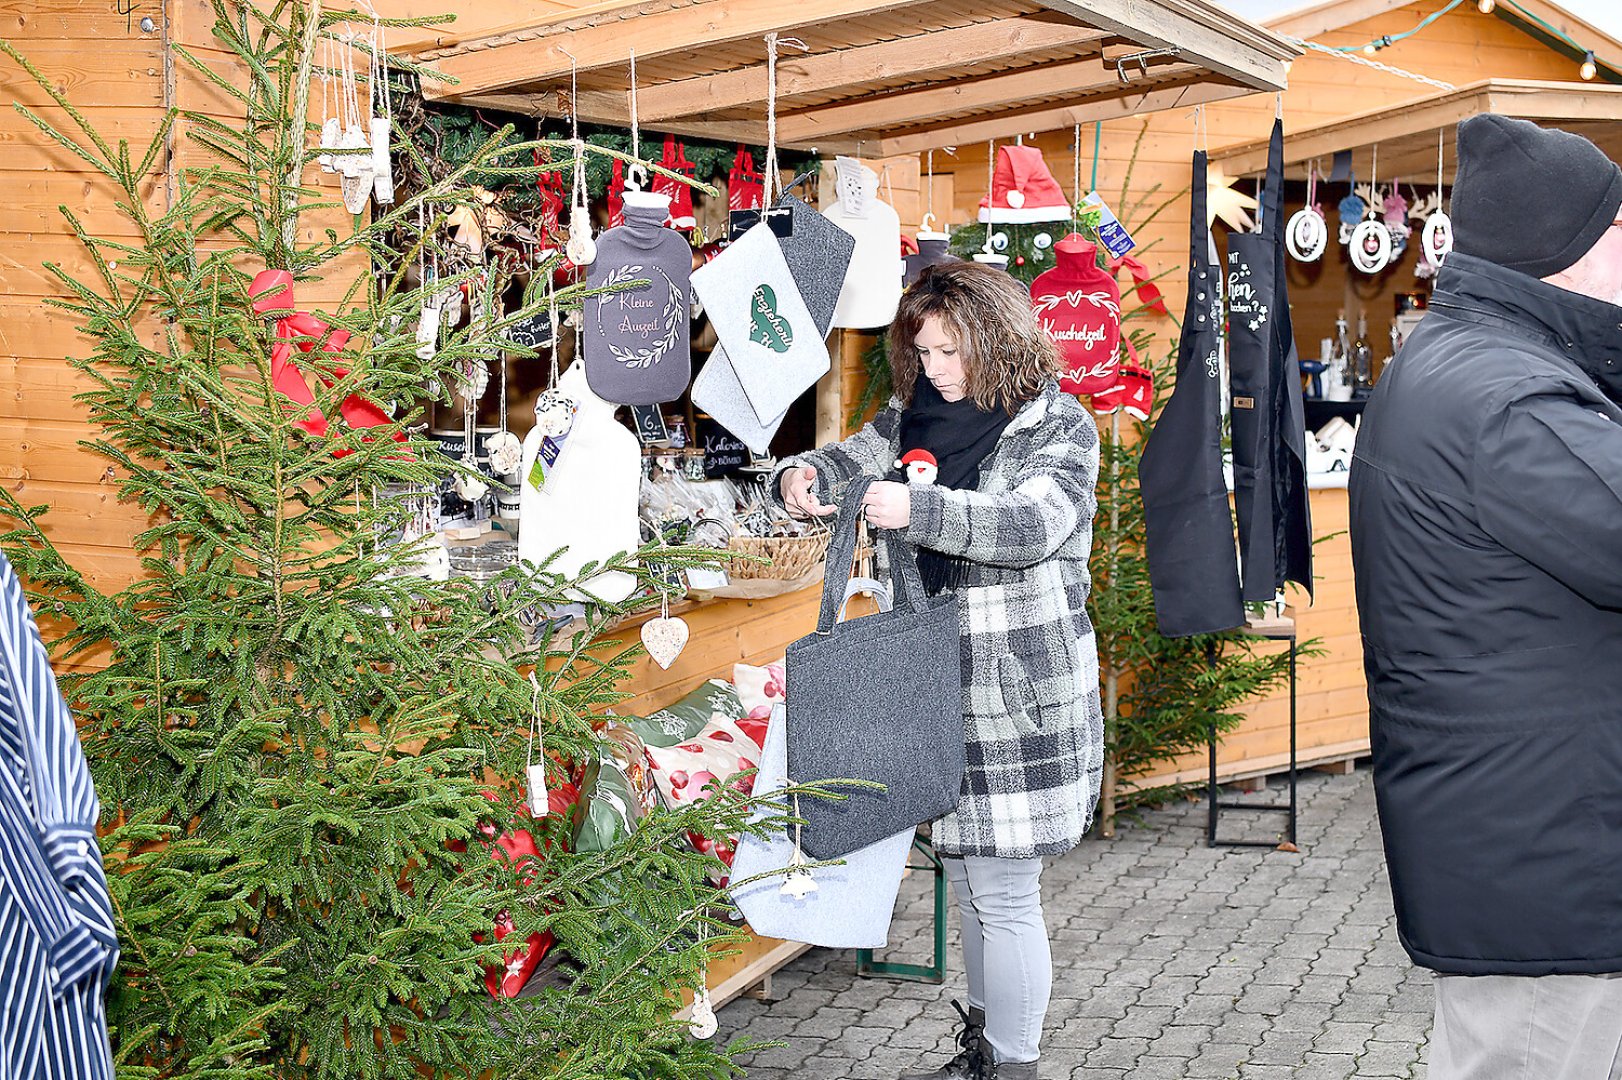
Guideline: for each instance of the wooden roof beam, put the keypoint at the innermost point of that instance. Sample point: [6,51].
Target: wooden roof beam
[743,131]
[1083,78]
[1013,124]
[1199,32]
[604,36]
[923,54]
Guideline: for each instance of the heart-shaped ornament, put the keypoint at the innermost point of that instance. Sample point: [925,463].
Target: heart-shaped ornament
[766,326]
[665,638]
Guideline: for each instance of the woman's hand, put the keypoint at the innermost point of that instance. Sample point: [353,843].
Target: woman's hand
[799,494]
[887,505]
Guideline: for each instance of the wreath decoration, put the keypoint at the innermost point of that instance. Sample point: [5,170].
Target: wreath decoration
[670,318]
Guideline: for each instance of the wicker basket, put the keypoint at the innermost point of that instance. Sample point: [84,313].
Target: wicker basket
[792,557]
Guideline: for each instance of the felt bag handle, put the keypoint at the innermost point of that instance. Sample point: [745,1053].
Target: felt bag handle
[842,557]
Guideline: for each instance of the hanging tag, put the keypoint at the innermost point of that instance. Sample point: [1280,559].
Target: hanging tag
[851,182]
[535,780]
[382,169]
[780,218]
[1111,233]
[650,425]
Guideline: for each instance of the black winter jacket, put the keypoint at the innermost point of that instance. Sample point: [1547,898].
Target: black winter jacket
[1486,529]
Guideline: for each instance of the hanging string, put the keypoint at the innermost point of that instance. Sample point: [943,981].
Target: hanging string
[1441,151]
[1075,181]
[552,319]
[636,131]
[929,189]
[991,146]
[1202,135]
[774,181]
[1374,178]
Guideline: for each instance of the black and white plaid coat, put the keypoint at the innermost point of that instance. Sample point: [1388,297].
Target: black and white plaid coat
[1032,717]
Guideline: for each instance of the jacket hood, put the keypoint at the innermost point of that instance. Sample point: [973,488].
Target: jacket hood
[1586,331]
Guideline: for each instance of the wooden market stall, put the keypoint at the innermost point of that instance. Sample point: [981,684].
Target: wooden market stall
[1416,84]
[879,79]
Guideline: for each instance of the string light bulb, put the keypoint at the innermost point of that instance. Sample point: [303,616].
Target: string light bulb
[1486,6]
[1589,68]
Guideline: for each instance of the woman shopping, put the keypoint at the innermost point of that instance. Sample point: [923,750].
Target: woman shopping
[987,468]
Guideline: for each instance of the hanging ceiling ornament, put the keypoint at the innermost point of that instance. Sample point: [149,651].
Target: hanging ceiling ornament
[1371,246]
[1307,234]
[1437,239]
[1223,201]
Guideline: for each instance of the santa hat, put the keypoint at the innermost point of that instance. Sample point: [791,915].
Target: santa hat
[1023,191]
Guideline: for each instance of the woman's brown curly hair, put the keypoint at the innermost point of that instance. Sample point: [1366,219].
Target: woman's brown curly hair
[1007,357]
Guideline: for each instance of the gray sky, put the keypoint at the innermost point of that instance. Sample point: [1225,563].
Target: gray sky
[1605,14]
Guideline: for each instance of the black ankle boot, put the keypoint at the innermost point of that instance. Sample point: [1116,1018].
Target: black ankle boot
[967,1063]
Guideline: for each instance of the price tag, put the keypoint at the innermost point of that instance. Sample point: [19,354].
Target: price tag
[650,425]
[1111,233]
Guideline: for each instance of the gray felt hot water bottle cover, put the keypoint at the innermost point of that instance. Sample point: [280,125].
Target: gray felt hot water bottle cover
[637,347]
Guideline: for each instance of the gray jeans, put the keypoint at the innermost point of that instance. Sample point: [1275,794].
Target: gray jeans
[1519,1027]
[1005,949]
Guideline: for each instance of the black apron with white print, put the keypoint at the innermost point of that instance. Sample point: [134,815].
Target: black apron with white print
[1193,565]
[1269,420]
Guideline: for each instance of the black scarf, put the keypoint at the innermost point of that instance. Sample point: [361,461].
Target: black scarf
[959,434]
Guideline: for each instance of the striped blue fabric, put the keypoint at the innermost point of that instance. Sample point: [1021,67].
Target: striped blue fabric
[57,942]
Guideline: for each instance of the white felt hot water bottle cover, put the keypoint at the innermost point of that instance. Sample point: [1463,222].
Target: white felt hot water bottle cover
[762,321]
[873,280]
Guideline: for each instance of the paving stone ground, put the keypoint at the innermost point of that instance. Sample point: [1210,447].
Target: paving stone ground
[1171,960]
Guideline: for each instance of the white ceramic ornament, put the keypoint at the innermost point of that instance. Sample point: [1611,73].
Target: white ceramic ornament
[428,328]
[535,782]
[331,132]
[1438,238]
[581,248]
[665,638]
[355,170]
[554,413]
[1371,246]
[798,884]
[506,452]
[470,487]
[1306,236]
[703,1023]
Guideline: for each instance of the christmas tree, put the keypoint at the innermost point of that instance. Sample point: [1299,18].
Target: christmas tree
[304,751]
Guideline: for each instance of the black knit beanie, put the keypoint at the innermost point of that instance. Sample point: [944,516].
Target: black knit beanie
[1530,198]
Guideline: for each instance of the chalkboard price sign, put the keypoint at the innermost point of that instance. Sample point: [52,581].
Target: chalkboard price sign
[650,425]
[724,453]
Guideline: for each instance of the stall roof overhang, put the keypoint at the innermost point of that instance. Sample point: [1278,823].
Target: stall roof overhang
[1409,135]
[891,76]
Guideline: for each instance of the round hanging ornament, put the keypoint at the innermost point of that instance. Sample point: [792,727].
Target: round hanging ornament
[1371,246]
[1307,234]
[1438,238]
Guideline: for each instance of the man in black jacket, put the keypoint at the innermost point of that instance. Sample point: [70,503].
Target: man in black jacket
[1486,528]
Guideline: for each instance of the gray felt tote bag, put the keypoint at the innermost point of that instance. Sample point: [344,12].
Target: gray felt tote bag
[878,698]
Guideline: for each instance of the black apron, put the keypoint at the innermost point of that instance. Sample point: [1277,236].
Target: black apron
[1188,528]
[1269,421]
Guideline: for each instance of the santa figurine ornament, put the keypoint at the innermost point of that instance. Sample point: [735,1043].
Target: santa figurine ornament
[919,467]
[1078,304]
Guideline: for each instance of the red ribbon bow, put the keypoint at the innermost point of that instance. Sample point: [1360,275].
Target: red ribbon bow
[273,292]
[1148,292]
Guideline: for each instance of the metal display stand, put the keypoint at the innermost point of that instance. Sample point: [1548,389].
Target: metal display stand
[935,970]
[1281,628]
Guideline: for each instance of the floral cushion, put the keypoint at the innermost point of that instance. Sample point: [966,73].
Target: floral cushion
[759,688]
[700,739]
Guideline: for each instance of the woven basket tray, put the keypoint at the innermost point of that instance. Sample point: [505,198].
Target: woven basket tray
[792,557]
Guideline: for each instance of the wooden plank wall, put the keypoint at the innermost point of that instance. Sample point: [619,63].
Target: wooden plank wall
[1464,46]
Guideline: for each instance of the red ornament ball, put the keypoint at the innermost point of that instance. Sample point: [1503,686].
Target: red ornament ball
[1019,260]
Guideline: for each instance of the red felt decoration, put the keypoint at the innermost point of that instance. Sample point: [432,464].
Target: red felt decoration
[1149,294]
[553,200]
[681,196]
[1134,389]
[1079,305]
[616,195]
[317,339]
[746,186]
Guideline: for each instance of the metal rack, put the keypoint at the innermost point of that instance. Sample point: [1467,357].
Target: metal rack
[1279,629]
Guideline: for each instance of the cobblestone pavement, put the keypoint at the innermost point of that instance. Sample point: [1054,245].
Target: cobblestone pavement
[1171,960]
